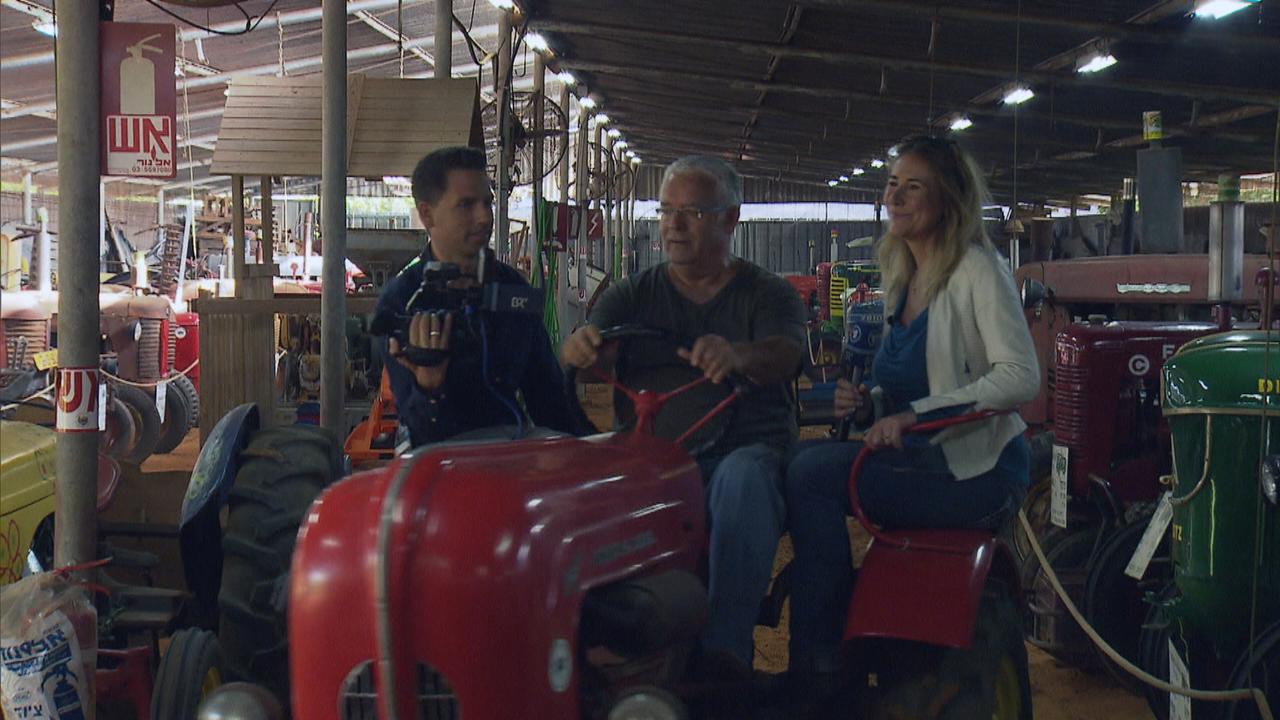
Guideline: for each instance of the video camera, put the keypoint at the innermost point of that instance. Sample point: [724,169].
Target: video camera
[445,289]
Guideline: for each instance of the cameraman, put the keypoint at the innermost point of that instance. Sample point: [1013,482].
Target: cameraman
[487,357]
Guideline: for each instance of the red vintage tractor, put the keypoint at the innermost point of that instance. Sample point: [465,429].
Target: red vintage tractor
[569,568]
[1103,328]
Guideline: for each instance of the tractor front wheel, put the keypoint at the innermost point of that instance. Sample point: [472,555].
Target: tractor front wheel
[189,670]
[177,421]
[989,679]
[146,420]
[282,470]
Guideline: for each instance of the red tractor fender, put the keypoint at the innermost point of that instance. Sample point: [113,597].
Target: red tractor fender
[929,587]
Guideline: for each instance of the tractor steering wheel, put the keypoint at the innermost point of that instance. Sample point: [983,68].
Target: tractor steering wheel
[700,432]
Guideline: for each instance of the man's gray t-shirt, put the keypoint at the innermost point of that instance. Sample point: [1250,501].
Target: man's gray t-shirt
[754,305]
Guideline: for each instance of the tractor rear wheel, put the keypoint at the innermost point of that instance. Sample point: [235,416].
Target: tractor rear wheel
[282,471]
[989,679]
[146,420]
[177,421]
[1114,603]
[189,670]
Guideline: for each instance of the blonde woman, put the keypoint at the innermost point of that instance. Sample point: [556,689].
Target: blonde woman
[955,340]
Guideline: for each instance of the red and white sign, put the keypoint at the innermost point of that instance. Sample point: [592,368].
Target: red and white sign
[77,400]
[139,100]
[568,221]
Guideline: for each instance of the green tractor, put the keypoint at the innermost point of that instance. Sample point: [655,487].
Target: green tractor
[1218,625]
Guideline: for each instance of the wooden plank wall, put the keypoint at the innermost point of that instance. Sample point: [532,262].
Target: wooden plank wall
[237,354]
[272,126]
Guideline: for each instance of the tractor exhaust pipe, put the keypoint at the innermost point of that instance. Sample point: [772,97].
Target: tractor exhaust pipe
[1226,249]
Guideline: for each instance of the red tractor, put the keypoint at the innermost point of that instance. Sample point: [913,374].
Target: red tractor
[1103,328]
[549,577]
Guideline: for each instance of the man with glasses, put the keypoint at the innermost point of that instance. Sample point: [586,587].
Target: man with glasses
[741,320]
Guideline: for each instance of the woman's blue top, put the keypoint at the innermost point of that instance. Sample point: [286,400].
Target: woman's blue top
[901,370]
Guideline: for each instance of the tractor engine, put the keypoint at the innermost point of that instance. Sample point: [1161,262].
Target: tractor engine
[1106,403]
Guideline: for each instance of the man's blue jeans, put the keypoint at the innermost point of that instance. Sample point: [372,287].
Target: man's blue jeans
[746,515]
[909,488]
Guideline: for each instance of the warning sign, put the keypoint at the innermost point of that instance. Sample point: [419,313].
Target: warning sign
[77,400]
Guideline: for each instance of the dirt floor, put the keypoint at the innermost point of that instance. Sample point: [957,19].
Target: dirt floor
[153,495]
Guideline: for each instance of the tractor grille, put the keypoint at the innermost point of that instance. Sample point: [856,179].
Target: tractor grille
[34,332]
[172,351]
[149,348]
[359,700]
[1070,406]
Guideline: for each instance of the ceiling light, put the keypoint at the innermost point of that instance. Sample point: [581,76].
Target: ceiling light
[1018,94]
[536,42]
[961,122]
[621,144]
[631,154]
[586,103]
[614,133]
[46,28]
[503,4]
[566,78]
[859,171]
[877,163]
[635,159]
[1095,62]
[832,183]
[844,178]
[1218,9]
[600,119]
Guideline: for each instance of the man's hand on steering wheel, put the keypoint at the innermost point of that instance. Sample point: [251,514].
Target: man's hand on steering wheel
[582,349]
[714,356]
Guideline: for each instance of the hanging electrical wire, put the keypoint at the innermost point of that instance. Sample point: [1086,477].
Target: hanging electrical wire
[249,23]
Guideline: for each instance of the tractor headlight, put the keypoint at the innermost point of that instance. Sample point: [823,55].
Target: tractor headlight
[137,331]
[1270,477]
[648,703]
[240,701]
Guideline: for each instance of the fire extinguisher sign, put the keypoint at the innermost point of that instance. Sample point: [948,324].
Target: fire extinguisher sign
[77,399]
[139,99]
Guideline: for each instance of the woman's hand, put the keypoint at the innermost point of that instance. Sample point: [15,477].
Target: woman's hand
[888,431]
[850,400]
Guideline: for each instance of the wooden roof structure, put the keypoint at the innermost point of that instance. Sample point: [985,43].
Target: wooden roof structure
[271,126]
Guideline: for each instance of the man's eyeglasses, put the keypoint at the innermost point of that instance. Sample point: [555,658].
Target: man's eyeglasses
[688,213]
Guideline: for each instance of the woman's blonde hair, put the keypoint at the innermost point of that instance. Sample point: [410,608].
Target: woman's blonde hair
[963,193]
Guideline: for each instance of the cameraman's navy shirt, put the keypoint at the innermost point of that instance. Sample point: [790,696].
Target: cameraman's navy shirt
[520,359]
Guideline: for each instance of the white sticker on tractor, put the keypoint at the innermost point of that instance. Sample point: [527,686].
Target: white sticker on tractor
[160,397]
[1058,498]
[560,665]
[1179,705]
[1150,539]
[102,406]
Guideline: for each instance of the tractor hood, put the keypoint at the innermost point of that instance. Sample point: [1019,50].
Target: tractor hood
[27,465]
[470,562]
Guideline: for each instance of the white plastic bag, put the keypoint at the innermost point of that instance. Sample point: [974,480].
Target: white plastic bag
[48,649]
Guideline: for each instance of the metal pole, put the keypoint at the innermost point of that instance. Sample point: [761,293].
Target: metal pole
[160,217]
[562,258]
[79,205]
[267,231]
[619,227]
[582,175]
[102,220]
[28,216]
[333,211]
[606,204]
[539,143]
[444,39]
[238,270]
[597,165]
[501,87]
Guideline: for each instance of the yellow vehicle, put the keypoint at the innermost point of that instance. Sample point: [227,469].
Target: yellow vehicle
[26,497]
